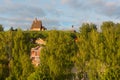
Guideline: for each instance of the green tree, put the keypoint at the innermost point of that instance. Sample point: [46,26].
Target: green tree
[20,65]
[11,29]
[1,28]
[86,28]
[98,52]
[5,41]
[58,53]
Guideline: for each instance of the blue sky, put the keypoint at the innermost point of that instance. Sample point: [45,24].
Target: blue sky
[59,14]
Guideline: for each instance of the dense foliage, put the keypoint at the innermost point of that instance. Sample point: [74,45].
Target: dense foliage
[90,53]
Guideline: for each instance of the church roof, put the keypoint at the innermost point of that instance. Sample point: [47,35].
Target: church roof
[36,24]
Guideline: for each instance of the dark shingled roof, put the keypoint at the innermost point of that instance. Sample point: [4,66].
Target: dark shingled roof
[36,24]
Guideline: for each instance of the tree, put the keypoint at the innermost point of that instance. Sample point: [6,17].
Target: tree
[58,53]
[11,29]
[86,28]
[20,66]
[5,50]
[1,28]
[107,25]
[98,52]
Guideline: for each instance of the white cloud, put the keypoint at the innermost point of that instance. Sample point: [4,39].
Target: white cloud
[7,1]
[22,10]
[101,7]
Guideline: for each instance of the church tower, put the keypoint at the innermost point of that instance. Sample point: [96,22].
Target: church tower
[37,25]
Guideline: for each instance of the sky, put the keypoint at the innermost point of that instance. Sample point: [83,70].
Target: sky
[57,14]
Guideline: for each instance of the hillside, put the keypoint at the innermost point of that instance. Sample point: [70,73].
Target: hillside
[94,54]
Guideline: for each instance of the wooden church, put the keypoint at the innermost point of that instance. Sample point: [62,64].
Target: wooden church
[37,26]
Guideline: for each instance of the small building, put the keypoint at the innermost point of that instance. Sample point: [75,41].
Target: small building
[35,55]
[35,52]
[37,26]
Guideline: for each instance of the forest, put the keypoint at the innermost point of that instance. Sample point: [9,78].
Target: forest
[93,54]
